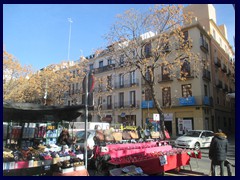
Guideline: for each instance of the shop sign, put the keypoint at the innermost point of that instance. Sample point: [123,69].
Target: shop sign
[156,117]
[163,160]
[168,117]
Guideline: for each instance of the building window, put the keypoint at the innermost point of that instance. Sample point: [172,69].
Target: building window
[165,73]
[100,85]
[148,95]
[147,50]
[186,90]
[100,64]
[185,69]
[147,75]
[166,96]
[132,98]
[121,80]
[77,86]
[91,66]
[205,90]
[214,34]
[121,99]
[109,61]
[185,34]
[109,102]
[72,88]
[121,60]
[132,77]
[100,100]
[218,101]
[74,74]
[109,82]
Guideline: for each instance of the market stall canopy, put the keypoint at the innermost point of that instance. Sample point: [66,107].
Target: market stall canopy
[25,112]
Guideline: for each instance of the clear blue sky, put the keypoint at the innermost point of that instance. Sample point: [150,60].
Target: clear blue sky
[38,34]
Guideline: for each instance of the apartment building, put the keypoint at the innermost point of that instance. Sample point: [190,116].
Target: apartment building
[116,92]
[222,67]
[198,102]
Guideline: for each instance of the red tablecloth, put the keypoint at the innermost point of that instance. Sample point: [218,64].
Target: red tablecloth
[153,166]
[120,150]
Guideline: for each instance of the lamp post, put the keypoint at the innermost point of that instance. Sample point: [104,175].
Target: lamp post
[69,38]
[86,118]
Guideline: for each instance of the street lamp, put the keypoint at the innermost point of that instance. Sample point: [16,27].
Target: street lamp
[69,38]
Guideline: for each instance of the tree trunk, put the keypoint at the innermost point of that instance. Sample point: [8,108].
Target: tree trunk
[160,112]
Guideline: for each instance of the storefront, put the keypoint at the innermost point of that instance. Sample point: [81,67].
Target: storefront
[30,133]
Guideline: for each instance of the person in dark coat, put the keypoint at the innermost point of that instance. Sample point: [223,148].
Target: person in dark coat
[218,151]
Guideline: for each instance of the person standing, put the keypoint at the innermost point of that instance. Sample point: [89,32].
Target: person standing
[218,151]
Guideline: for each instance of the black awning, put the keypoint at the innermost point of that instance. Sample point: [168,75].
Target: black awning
[28,112]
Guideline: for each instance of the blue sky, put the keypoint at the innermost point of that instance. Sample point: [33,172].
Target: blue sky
[38,34]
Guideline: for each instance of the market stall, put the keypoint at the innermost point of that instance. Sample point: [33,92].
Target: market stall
[152,157]
[30,133]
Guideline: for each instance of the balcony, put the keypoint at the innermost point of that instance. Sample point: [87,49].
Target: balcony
[217,62]
[206,75]
[164,78]
[228,72]
[106,106]
[207,101]
[185,75]
[147,104]
[225,88]
[127,105]
[224,68]
[104,69]
[203,45]
[219,84]
[126,84]
[192,101]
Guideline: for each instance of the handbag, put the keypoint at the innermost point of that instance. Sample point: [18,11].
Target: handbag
[133,134]
[100,135]
[126,135]
[117,136]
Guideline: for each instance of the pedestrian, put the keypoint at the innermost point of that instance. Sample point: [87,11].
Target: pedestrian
[65,139]
[218,151]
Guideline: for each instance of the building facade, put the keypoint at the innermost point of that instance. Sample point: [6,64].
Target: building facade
[198,102]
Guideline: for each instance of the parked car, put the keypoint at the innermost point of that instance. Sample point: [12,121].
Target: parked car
[195,139]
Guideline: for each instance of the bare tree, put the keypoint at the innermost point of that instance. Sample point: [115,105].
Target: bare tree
[152,40]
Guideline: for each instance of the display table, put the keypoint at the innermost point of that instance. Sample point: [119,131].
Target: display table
[153,166]
[120,150]
[82,172]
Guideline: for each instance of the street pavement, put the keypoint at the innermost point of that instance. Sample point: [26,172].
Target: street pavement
[203,165]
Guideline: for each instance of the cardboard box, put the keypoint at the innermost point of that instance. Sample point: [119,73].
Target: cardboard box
[67,170]
[37,163]
[47,162]
[56,160]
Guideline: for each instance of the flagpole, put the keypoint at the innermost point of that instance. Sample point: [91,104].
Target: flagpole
[69,38]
